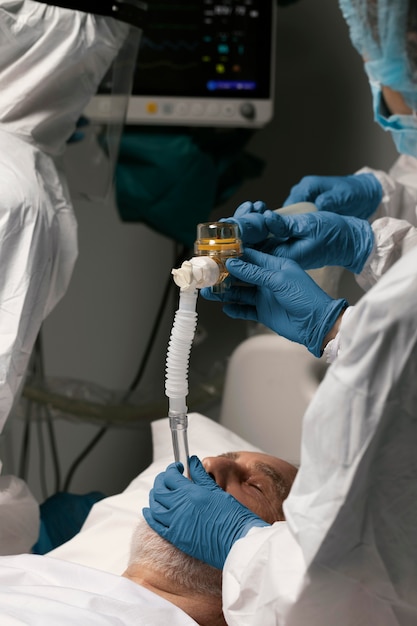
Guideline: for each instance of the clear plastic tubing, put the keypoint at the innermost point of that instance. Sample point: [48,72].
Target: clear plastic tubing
[176,381]
[216,241]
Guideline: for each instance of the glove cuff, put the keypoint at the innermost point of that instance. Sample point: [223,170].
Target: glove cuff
[255,522]
[363,238]
[326,324]
[243,523]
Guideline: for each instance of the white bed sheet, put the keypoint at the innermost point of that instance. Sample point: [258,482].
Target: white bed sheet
[104,540]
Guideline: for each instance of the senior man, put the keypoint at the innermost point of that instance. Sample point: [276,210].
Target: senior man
[161,584]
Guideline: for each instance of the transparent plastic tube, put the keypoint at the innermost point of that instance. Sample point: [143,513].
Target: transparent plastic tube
[176,381]
[216,241]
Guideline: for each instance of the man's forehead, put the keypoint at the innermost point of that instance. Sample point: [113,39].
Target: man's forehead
[272,467]
[252,457]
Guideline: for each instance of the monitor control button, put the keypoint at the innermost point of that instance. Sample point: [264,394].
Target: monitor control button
[228,110]
[197,109]
[182,109]
[247,110]
[213,109]
[167,108]
[152,107]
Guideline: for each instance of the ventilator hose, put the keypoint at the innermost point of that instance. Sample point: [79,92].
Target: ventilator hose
[176,381]
[179,347]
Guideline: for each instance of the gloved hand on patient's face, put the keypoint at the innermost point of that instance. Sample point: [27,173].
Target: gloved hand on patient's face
[196,515]
[358,195]
[312,239]
[280,295]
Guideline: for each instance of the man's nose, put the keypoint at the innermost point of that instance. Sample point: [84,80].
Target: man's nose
[221,469]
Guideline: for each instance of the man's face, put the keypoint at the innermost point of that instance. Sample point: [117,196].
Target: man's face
[260,482]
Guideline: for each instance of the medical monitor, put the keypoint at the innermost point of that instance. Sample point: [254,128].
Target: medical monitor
[202,63]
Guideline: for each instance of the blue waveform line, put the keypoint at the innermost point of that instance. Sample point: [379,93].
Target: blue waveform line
[170,45]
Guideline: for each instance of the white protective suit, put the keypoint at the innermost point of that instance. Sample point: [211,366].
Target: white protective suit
[394,225]
[395,221]
[51,62]
[347,554]
[352,512]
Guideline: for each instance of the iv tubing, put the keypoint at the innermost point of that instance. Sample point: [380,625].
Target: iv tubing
[176,380]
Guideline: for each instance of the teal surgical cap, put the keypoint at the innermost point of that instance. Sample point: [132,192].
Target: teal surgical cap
[385,34]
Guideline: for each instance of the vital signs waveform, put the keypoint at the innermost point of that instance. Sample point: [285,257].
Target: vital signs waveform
[176,46]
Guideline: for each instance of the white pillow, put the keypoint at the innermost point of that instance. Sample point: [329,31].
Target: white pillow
[104,540]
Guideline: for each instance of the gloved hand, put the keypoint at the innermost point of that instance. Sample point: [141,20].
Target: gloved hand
[318,239]
[312,239]
[197,517]
[281,296]
[250,218]
[358,195]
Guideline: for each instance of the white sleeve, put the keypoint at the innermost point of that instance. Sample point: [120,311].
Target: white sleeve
[393,239]
[352,508]
[399,187]
[19,515]
[334,347]
[394,222]
[269,560]
[352,505]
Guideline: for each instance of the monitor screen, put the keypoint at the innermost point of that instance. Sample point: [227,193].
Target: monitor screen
[202,62]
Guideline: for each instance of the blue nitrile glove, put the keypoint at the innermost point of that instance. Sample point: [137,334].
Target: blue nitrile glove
[281,296]
[312,239]
[318,239]
[197,517]
[249,217]
[358,195]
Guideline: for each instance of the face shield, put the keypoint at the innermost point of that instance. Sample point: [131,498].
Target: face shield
[124,20]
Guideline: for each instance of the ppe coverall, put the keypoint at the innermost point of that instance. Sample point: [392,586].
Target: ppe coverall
[395,221]
[352,509]
[51,62]
[395,229]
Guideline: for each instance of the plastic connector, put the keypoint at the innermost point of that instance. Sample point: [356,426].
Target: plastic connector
[198,272]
